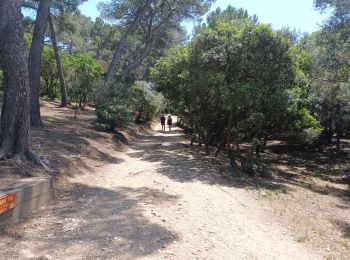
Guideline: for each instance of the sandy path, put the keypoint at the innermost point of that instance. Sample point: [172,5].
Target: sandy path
[158,202]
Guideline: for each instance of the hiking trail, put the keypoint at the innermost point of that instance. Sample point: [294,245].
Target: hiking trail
[156,201]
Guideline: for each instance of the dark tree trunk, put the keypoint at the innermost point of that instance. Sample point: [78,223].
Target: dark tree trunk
[338,141]
[200,139]
[257,149]
[35,61]
[207,150]
[121,44]
[59,63]
[228,141]
[193,139]
[264,142]
[138,117]
[206,140]
[221,145]
[133,65]
[15,120]
[329,134]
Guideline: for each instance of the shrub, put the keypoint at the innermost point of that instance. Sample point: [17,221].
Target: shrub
[113,115]
[145,102]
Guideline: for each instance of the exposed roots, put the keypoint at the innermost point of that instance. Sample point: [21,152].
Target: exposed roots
[32,156]
[3,154]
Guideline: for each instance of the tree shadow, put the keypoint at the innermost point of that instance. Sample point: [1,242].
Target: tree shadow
[100,223]
[184,163]
[343,226]
[318,161]
[69,145]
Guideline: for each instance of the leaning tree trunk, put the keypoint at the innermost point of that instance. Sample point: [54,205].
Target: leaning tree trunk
[15,120]
[59,63]
[35,61]
[121,44]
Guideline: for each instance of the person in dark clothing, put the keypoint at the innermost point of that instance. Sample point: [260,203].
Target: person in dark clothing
[169,122]
[162,122]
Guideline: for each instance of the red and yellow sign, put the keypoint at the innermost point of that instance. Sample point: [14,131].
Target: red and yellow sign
[7,202]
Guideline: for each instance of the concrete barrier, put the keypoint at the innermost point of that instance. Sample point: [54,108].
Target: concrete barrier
[31,194]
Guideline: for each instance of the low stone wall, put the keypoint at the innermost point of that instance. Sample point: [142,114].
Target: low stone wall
[31,194]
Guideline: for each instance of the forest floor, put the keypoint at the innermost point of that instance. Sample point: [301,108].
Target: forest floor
[159,198]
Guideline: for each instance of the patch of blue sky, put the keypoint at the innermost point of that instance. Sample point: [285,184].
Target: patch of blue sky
[298,14]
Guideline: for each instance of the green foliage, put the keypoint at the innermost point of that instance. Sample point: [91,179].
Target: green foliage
[340,10]
[103,38]
[145,102]
[115,115]
[84,77]
[330,75]
[129,101]
[116,112]
[230,14]
[28,39]
[308,126]
[245,68]
[49,86]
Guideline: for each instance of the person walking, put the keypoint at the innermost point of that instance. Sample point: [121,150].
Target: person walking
[162,122]
[169,122]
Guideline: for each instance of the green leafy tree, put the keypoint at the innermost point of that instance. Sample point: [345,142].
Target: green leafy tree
[330,53]
[152,16]
[340,10]
[85,75]
[237,78]
[229,14]
[103,38]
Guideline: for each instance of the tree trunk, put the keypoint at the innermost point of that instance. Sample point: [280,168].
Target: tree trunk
[59,63]
[264,142]
[329,134]
[121,44]
[338,141]
[137,61]
[228,141]
[193,139]
[221,145]
[35,61]
[15,120]
[207,150]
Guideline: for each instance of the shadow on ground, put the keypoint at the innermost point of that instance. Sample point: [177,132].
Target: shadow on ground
[100,223]
[185,163]
[72,145]
[344,227]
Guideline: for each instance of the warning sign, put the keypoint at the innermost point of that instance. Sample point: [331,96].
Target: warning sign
[7,202]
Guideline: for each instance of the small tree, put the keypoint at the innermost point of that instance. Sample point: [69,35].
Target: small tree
[85,75]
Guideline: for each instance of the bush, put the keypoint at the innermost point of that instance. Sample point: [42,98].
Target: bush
[145,102]
[127,101]
[113,115]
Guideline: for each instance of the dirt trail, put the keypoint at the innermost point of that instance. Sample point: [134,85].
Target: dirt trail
[157,201]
